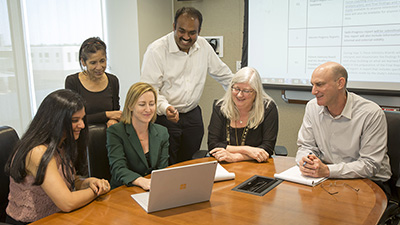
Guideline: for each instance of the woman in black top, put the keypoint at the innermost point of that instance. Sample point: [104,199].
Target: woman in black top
[244,123]
[98,88]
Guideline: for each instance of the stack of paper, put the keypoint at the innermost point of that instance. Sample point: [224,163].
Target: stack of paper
[293,174]
[222,174]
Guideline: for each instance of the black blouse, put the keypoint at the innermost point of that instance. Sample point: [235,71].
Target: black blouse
[97,103]
[264,136]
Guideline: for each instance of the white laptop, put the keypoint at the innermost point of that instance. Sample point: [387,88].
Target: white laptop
[178,186]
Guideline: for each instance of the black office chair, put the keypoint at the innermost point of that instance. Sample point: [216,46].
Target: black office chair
[8,139]
[200,154]
[97,152]
[280,150]
[392,212]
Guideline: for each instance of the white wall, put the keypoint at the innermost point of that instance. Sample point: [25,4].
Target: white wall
[122,37]
[155,18]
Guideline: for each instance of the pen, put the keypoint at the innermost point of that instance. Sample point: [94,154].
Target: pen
[304,163]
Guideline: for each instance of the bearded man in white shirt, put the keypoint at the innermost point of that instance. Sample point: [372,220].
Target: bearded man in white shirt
[343,135]
[177,65]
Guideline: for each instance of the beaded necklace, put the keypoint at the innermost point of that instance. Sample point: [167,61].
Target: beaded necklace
[228,135]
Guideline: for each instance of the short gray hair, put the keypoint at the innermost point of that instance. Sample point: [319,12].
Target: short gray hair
[256,115]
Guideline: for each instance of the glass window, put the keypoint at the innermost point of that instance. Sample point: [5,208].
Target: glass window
[10,113]
[57,28]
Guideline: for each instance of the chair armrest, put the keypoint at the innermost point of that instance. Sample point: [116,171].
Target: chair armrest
[281,150]
[200,154]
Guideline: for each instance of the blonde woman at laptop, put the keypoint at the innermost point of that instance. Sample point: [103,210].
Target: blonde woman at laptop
[136,145]
[244,123]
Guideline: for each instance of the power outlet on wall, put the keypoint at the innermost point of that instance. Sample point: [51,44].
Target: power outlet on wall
[217,43]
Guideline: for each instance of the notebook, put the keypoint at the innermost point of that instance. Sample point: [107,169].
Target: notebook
[293,174]
[178,186]
[222,174]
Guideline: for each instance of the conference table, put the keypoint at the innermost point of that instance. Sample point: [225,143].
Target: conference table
[287,203]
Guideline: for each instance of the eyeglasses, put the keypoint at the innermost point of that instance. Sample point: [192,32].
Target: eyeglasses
[244,91]
[327,187]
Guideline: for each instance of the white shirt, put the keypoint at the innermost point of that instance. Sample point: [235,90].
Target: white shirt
[353,144]
[179,77]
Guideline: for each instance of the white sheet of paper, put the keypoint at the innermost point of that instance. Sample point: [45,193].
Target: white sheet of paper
[222,174]
[293,174]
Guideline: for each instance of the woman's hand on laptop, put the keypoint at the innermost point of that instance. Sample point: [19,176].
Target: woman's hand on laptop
[142,182]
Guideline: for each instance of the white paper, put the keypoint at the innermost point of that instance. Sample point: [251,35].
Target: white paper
[222,174]
[293,174]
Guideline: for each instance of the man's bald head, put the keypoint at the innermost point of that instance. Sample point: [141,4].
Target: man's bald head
[335,69]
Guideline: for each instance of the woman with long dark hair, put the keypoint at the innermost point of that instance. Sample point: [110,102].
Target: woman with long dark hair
[45,164]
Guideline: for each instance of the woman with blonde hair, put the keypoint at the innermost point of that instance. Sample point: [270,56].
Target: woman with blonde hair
[244,123]
[136,145]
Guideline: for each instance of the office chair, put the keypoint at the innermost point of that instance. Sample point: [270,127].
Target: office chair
[8,139]
[200,154]
[97,152]
[280,150]
[392,211]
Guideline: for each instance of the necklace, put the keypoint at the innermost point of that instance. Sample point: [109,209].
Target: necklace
[240,120]
[228,135]
[143,136]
